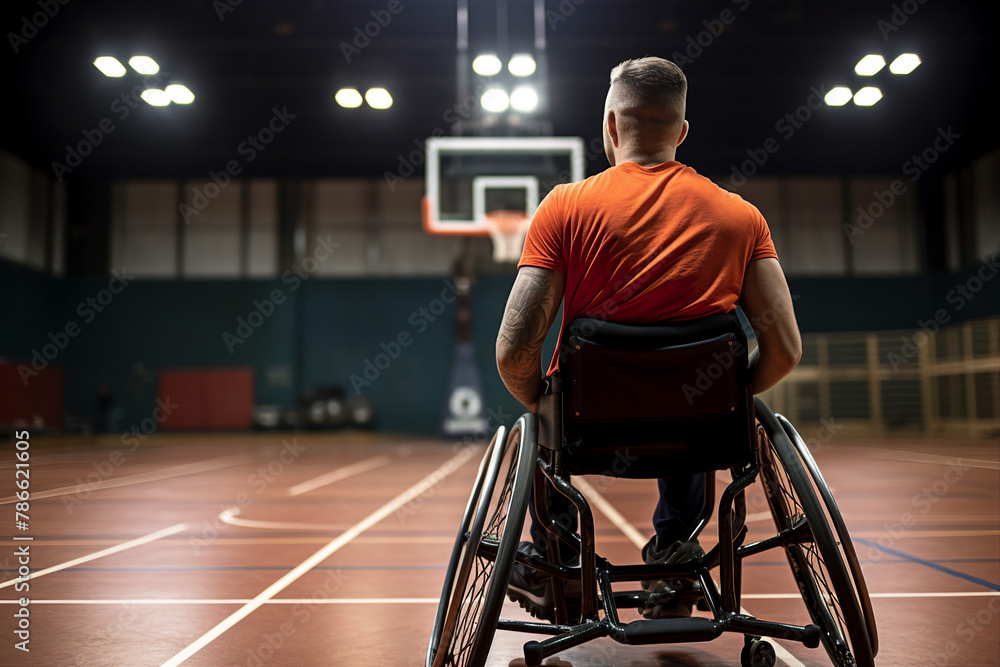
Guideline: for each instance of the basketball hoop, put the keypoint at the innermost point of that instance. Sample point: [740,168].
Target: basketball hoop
[507,231]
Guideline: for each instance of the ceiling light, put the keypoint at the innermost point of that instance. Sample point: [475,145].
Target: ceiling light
[522,64]
[905,63]
[869,65]
[524,98]
[156,98]
[378,98]
[110,66]
[867,96]
[179,94]
[144,64]
[838,97]
[495,100]
[486,64]
[348,98]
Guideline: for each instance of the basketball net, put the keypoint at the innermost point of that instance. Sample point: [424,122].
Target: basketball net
[507,231]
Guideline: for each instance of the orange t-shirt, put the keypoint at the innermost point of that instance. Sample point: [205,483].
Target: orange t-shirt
[642,244]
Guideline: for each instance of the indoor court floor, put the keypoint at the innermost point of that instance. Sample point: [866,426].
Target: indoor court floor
[330,549]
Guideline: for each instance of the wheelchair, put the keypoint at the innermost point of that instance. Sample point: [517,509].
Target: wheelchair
[675,397]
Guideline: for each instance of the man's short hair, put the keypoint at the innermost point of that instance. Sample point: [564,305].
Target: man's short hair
[649,81]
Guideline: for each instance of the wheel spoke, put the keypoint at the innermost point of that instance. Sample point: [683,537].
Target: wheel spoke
[476,596]
[813,572]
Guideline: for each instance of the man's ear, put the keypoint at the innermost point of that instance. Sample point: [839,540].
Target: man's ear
[613,128]
[684,132]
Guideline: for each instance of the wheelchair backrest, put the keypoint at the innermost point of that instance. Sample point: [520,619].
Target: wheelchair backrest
[666,398]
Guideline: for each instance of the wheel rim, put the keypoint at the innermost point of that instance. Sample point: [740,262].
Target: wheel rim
[833,516]
[458,550]
[470,591]
[818,591]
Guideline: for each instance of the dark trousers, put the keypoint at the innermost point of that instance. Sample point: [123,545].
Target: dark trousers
[681,500]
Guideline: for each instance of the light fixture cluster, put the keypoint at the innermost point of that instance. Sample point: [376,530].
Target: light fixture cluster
[495,98]
[175,92]
[871,65]
[377,98]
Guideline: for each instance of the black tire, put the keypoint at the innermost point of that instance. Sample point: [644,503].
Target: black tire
[836,519]
[817,565]
[476,585]
[457,549]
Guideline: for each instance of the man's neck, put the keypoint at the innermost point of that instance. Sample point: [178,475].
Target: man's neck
[647,159]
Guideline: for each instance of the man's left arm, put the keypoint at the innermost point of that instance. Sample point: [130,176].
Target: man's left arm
[531,309]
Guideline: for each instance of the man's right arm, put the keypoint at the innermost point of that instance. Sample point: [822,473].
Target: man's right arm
[767,303]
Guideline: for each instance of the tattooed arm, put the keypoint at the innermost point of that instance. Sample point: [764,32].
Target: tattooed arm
[531,309]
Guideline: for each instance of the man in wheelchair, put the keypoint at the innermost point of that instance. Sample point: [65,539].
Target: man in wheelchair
[652,380]
[647,241]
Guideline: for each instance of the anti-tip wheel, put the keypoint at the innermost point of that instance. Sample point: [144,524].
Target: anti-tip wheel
[757,653]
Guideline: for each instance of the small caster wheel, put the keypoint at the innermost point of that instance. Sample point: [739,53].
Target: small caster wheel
[757,653]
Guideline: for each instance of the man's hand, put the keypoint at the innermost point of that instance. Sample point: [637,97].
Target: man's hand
[768,305]
[531,308]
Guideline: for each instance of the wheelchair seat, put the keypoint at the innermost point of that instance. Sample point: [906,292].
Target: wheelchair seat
[671,398]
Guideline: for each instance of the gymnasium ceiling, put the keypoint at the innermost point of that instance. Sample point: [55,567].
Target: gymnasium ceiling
[266,54]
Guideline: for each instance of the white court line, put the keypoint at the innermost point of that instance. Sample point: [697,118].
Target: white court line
[639,541]
[104,552]
[175,601]
[152,476]
[229,516]
[353,601]
[450,466]
[608,510]
[916,457]
[338,474]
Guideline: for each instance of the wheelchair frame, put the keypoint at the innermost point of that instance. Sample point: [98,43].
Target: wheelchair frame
[809,529]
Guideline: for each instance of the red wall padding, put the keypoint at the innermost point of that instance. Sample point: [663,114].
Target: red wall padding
[219,398]
[44,396]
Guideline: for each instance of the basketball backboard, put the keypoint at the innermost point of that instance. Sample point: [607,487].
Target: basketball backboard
[468,178]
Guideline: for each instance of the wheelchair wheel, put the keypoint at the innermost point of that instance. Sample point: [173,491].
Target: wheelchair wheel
[817,563]
[483,556]
[457,549]
[848,553]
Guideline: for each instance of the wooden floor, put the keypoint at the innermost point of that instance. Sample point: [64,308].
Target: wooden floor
[308,550]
